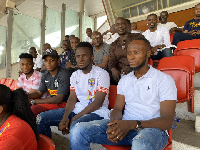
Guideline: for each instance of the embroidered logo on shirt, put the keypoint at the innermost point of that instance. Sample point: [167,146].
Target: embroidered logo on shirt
[5,127]
[56,83]
[52,92]
[195,24]
[90,97]
[46,81]
[91,82]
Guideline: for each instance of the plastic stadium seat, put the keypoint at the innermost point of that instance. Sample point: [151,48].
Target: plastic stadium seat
[181,69]
[112,96]
[3,80]
[8,82]
[192,48]
[14,85]
[150,62]
[171,37]
[45,143]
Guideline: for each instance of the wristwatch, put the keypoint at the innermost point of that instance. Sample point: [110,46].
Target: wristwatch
[32,102]
[138,126]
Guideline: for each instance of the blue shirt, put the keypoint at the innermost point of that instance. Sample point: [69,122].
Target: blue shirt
[64,57]
[193,24]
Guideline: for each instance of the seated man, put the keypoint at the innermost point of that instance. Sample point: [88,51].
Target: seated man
[191,29]
[171,26]
[72,59]
[158,37]
[88,98]
[55,80]
[118,63]
[134,28]
[37,59]
[30,79]
[100,50]
[89,34]
[64,57]
[149,98]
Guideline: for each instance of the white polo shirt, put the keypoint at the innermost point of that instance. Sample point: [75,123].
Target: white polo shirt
[158,37]
[143,95]
[85,87]
[168,25]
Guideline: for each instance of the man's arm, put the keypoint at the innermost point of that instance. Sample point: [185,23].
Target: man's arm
[104,63]
[51,100]
[71,102]
[95,105]
[116,113]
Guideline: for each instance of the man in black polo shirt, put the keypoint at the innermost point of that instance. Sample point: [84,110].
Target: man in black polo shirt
[55,80]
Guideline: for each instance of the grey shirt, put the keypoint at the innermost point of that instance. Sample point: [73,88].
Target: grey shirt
[98,56]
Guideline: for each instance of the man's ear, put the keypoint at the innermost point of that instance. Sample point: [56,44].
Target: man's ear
[1,109]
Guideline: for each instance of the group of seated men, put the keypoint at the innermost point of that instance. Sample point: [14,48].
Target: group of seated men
[146,98]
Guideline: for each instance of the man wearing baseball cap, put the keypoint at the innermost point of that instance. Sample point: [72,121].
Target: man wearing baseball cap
[55,80]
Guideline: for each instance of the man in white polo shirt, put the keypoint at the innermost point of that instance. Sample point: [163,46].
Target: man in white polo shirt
[159,38]
[148,98]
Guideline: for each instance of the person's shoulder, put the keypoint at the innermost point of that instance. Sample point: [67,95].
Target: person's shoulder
[190,21]
[105,45]
[159,75]
[99,70]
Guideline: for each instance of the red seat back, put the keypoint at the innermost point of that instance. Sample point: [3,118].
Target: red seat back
[14,85]
[8,82]
[45,143]
[181,69]
[112,95]
[191,48]
[171,37]
[3,80]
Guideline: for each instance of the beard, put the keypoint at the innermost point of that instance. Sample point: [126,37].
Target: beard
[139,66]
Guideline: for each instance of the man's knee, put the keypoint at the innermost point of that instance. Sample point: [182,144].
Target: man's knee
[150,139]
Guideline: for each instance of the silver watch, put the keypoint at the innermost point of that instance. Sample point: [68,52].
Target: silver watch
[32,102]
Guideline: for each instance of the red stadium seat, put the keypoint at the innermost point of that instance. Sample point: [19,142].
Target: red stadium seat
[3,80]
[112,96]
[150,62]
[14,85]
[181,69]
[171,37]
[8,82]
[191,48]
[45,143]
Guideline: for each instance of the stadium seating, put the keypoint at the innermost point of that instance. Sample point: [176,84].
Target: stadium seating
[181,69]
[45,143]
[112,96]
[192,48]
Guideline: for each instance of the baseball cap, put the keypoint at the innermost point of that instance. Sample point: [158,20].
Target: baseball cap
[50,52]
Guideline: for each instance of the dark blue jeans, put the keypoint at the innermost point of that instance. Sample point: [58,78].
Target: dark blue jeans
[180,36]
[167,52]
[54,117]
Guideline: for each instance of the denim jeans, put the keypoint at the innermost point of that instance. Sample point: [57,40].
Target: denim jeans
[167,52]
[54,117]
[95,132]
[180,36]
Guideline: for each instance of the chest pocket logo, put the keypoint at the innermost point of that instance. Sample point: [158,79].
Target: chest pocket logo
[56,83]
[91,82]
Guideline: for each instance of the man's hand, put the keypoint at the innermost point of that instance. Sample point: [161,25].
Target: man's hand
[118,129]
[68,65]
[198,32]
[115,74]
[64,126]
[193,32]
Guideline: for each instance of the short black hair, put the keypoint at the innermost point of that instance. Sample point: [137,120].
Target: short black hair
[128,21]
[66,35]
[86,44]
[147,43]
[26,55]
[152,15]
[33,48]
[164,12]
